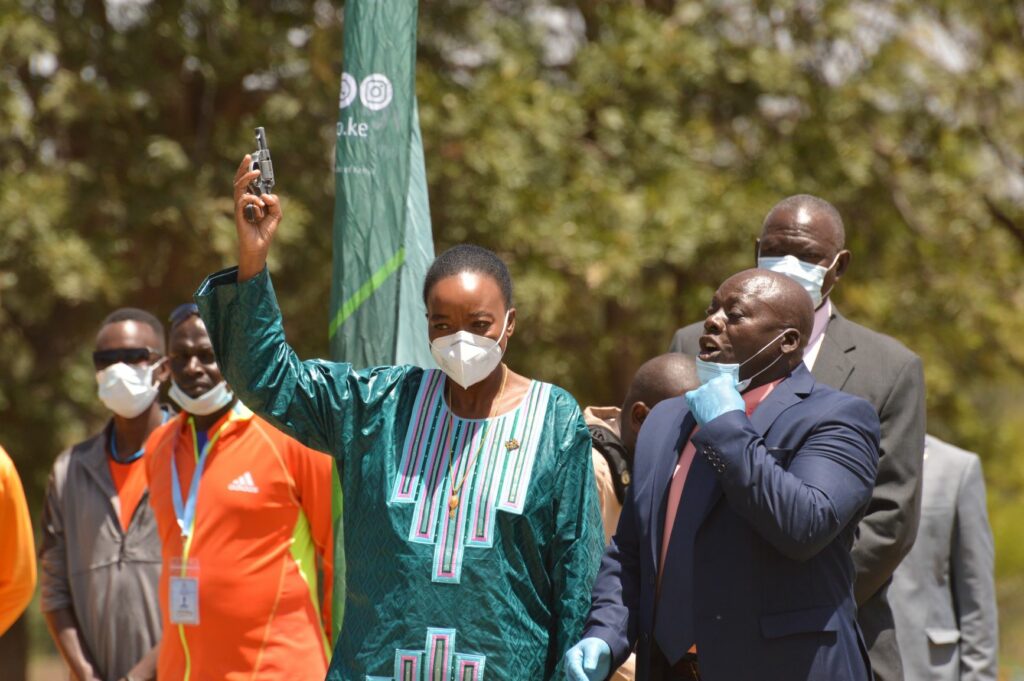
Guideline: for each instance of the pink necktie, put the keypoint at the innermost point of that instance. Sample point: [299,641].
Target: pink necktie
[675,493]
[751,399]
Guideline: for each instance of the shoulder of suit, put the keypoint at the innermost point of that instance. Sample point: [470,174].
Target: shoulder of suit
[886,346]
[687,335]
[667,409]
[842,400]
[949,454]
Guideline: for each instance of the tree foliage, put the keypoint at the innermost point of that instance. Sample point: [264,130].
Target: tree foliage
[620,156]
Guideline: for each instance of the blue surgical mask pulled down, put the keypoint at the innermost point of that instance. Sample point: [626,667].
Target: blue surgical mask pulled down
[708,370]
[810,276]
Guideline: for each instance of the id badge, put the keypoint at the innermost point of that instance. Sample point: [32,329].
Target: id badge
[184,591]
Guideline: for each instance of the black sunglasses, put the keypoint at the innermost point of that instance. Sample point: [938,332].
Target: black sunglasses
[104,358]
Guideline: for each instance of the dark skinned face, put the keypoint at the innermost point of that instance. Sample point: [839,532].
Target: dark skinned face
[740,322]
[193,363]
[471,302]
[807,236]
[131,335]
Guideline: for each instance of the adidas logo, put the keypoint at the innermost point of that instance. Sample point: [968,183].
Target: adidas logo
[244,483]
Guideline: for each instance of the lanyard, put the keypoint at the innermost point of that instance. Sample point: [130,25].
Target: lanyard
[185,511]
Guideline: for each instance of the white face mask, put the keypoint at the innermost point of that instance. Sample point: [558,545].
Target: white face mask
[214,399]
[466,357]
[127,389]
[708,370]
[810,276]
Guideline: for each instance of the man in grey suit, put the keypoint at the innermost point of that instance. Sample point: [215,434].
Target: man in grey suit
[803,237]
[943,593]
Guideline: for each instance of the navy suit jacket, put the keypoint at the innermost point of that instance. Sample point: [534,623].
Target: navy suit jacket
[774,501]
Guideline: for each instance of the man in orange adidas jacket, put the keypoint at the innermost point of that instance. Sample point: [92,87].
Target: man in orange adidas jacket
[243,513]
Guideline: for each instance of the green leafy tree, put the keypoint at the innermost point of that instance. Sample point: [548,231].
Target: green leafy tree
[620,156]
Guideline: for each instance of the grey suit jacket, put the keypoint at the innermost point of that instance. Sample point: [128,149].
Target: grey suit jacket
[943,594]
[880,369]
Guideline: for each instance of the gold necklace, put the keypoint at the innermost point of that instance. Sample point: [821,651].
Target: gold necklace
[455,498]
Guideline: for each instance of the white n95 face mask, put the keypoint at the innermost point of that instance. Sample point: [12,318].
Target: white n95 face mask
[810,276]
[214,399]
[708,370]
[467,358]
[127,389]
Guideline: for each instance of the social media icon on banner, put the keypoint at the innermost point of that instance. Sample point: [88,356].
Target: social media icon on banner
[376,92]
[349,90]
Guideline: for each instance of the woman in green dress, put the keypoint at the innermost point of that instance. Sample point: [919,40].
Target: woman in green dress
[472,530]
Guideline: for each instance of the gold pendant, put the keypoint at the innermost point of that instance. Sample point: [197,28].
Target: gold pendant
[453,505]
[512,444]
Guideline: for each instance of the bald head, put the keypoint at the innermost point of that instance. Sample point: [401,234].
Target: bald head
[665,376]
[803,226]
[783,300]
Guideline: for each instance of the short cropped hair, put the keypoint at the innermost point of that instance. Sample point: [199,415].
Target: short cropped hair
[182,313]
[134,314]
[469,258]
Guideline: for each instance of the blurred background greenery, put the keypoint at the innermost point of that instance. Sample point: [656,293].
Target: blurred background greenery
[619,155]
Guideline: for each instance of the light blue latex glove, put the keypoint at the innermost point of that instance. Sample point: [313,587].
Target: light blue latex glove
[588,660]
[716,397]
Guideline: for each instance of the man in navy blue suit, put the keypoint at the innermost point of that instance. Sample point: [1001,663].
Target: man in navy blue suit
[731,561]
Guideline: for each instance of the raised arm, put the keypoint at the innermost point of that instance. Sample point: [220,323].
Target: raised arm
[254,239]
[326,405]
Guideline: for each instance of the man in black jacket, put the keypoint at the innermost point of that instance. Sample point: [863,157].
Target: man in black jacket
[803,237]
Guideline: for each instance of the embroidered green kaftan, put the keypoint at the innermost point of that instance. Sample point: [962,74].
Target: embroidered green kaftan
[496,591]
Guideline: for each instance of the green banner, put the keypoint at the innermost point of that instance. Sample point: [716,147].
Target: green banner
[382,239]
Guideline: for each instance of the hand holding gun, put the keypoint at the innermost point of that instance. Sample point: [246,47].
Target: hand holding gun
[264,184]
[257,210]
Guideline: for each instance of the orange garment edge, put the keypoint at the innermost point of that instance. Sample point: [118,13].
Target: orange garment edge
[130,483]
[17,547]
[258,616]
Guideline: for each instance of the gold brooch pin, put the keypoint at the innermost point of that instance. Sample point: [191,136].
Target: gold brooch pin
[512,444]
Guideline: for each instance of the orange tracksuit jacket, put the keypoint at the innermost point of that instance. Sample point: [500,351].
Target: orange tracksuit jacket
[263,516]
[17,548]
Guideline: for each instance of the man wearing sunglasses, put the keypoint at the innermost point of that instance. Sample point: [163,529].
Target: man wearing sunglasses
[245,515]
[100,555]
